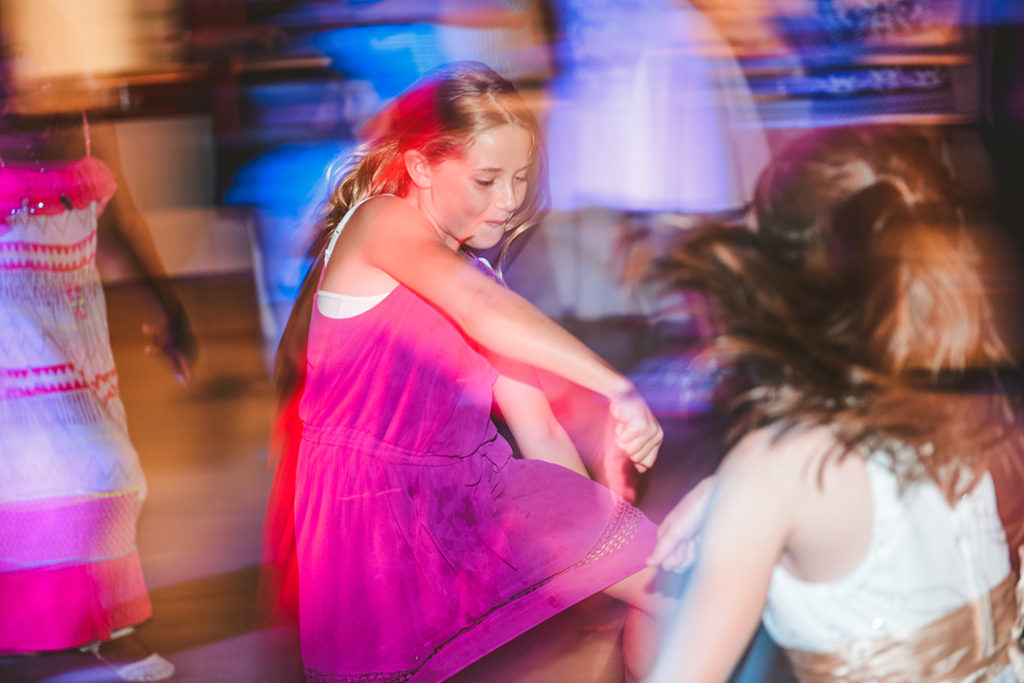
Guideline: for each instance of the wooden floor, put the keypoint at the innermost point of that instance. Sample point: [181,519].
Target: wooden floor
[204,450]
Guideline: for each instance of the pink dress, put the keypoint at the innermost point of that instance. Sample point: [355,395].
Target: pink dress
[70,481]
[422,543]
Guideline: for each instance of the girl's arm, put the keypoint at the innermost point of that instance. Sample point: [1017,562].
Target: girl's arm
[132,243]
[389,234]
[526,410]
[524,399]
[751,514]
[679,532]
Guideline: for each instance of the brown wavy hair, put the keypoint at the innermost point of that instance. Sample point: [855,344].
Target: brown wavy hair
[440,115]
[858,302]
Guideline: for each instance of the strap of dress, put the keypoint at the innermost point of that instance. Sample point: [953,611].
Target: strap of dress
[341,225]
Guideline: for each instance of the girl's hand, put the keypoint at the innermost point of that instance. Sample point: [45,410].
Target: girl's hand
[636,432]
[173,337]
[679,533]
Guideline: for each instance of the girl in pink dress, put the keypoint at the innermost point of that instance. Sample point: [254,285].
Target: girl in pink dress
[422,543]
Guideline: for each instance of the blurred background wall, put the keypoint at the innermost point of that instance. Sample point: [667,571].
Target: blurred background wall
[201,90]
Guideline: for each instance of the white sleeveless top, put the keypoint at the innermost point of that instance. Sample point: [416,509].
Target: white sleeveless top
[925,559]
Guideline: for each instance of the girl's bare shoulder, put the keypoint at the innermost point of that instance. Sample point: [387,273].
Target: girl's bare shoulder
[773,454]
[385,210]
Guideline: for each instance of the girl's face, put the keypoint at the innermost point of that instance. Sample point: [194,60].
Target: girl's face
[473,196]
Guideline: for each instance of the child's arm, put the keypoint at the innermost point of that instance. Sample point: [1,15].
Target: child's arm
[389,234]
[751,514]
[127,236]
[679,532]
[526,410]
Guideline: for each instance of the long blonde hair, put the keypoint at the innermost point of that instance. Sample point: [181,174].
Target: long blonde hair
[440,115]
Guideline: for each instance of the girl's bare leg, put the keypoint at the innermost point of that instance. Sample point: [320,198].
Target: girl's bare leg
[647,609]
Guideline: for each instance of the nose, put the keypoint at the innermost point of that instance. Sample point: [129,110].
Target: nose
[507,199]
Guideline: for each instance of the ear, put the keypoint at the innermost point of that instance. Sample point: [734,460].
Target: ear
[418,168]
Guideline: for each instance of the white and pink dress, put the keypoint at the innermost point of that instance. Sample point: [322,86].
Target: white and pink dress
[70,481]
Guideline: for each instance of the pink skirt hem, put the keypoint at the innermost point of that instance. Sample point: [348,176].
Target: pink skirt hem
[55,608]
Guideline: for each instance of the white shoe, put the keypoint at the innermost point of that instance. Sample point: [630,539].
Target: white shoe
[151,668]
